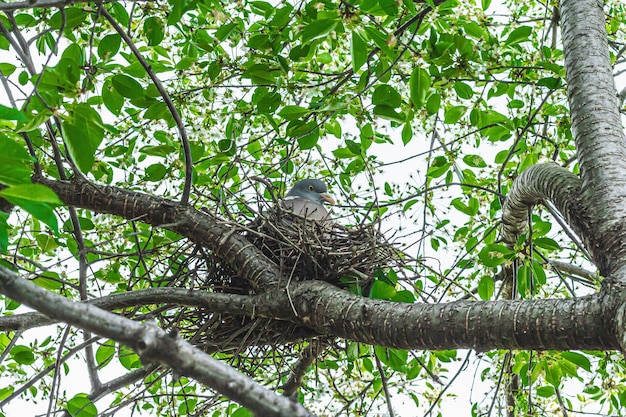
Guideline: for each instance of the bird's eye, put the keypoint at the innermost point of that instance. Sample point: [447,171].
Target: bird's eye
[310,188]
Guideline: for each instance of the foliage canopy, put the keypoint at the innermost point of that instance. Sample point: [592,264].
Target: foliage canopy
[419,115]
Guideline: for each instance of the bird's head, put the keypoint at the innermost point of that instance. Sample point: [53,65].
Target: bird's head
[311,189]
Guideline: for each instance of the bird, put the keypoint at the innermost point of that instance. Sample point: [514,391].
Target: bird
[307,198]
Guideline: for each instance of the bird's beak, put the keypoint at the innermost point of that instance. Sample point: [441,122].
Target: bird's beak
[328,199]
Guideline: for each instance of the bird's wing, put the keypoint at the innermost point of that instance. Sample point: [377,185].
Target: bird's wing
[306,208]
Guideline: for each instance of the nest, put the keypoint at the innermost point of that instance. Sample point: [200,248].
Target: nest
[303,249]
[306,249]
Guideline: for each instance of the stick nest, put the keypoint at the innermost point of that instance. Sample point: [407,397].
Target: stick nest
[303,249]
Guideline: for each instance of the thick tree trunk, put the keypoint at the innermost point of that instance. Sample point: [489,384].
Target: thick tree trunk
[597,129]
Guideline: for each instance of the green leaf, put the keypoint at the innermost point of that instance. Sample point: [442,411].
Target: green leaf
[578,359]
[109,46]
[310,140]
[519,35]
[343,153]
[407,133]
[318,29]
[382,291]
[419,83]
[69,18]
[178,9]
[9,113]
[5,393]
[83,132]
[46,242]
[112,100]
[550,82]
[155,172]
[105,353]
[159,150]
[261,8]
[474,30]
[242,412]
[524,284]
[4,232]
[553,374]
[396,359]
[381,40]
[23,355]
[260,74]
[353,351]
[475,161]
[32,192]
[433,104]
[224,31]
[159,111]
[81,406]
[153,28]
[128,358]
[438,167]
[403,296]
[36,199]
[470,210]
[15,162]
[386,95]
[281,17]
[49,280]
[358,51]
[7,69]
[463,90]
[486,288]
[539,273]
[546,391]
[453,114]
[494,254]
[546,243]
[290,113]
[127,86]
[389,113]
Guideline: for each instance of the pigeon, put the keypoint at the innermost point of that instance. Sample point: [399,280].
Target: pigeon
[307,199]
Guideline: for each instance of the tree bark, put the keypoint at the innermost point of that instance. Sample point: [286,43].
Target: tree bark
[597,130]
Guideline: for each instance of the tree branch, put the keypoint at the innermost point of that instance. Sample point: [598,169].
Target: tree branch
[202,228]
[215,302]
[152,344]
[560,324]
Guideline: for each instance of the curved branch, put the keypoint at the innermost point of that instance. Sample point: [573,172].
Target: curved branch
[537,324]
[543,182]
[200,227]
[166,99]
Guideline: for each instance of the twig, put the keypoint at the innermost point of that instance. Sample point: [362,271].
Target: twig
[166,98]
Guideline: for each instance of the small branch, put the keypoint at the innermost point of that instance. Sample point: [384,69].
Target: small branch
[308,356]
[383,378]
[166,98]
[588,276]
[37,378]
